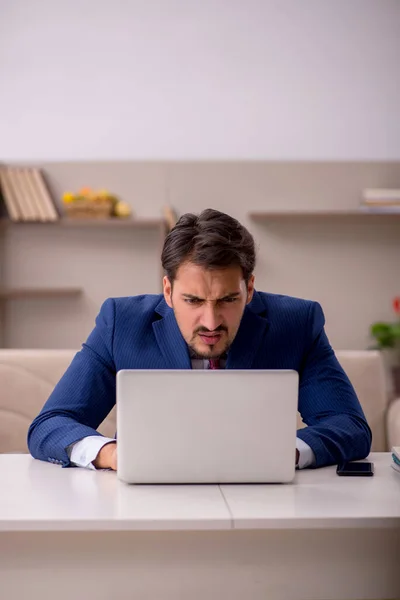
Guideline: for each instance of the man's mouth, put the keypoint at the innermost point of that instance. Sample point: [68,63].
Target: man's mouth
[210,338]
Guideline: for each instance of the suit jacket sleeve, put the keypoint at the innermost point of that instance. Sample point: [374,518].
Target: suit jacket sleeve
[83,397]
[337,429]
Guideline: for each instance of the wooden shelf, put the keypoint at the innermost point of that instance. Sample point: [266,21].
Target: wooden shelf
[113,222]
[29,293]
[322,214]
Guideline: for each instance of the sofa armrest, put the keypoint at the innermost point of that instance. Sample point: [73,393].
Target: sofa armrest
[393,423]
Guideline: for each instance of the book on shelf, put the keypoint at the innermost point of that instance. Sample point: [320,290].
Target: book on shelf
[26,196]
[8,196]
[381,197]
[38,205]
[43,195]
[392,209]
[27,208]
[396,458]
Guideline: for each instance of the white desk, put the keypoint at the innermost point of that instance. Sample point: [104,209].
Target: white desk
[74,533]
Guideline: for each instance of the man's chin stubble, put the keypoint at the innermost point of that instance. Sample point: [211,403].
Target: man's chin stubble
[212,353]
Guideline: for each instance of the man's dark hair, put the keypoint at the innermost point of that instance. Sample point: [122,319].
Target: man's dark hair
[212,240]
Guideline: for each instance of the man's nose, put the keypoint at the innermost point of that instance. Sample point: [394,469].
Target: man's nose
[211,319]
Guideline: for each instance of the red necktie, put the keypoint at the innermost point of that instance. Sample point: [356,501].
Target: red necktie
[213,363]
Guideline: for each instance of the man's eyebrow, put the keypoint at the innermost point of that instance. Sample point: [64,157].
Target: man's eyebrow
[191,297]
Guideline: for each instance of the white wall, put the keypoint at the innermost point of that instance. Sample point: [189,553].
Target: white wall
[194,79]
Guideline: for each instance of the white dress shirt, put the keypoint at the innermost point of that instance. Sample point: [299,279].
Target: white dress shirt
[84,452]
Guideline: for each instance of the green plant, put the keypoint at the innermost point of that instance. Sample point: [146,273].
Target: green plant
[387,335]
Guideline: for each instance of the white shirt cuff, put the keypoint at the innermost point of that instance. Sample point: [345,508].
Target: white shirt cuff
[307,457]
[84,452]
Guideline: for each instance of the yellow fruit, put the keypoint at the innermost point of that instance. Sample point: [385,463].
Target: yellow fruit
[86,192]
[122,209]
[68,197]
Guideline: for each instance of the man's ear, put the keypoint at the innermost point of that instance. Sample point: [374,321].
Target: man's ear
[167,289]
[250,289]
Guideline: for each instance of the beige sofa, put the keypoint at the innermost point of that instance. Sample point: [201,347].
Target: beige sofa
[27,378]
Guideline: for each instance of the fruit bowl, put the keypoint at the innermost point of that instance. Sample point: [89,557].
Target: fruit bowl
[87,209]
[88,204]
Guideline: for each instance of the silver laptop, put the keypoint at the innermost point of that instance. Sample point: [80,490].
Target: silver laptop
[199,426]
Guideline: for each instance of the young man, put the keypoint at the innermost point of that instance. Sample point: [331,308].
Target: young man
[210,316]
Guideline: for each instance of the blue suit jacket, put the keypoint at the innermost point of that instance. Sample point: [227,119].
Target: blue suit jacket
[276,332]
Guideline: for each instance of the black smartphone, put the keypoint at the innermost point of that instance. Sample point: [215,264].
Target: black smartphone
[356,469]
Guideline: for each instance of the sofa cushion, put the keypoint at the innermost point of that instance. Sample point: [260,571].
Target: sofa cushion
[27,378]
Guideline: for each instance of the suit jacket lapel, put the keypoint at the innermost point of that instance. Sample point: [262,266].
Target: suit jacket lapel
[251,332]
[169,338]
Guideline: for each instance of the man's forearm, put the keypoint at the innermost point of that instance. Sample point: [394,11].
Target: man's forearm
[337,439]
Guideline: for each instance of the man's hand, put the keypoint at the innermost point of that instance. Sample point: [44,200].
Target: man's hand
[107,457]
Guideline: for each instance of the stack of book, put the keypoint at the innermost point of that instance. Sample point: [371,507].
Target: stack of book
[381,201]
[25,195]
[396,458]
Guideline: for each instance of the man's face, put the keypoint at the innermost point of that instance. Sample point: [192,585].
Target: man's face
[208,306]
